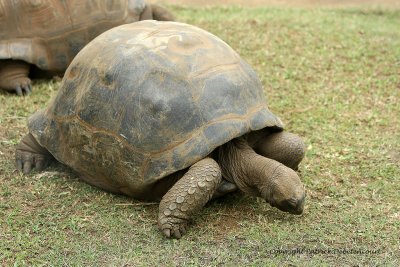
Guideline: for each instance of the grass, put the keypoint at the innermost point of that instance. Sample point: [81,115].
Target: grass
[332,75]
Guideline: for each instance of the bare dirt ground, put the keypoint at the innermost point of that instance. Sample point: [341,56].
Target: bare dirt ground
[299,3]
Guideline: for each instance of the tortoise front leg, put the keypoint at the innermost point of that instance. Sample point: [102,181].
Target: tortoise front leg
[188,196]
[286,148]
[14,76]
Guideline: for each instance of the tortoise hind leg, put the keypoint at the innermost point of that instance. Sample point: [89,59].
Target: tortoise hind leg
[188,196]
[30,154]
[14,76]
[286,148]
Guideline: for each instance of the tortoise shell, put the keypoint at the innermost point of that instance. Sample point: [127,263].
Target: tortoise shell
[147,99]
[49,33]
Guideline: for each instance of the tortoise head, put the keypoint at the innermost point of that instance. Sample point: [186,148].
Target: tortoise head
[284,191]
[260,176]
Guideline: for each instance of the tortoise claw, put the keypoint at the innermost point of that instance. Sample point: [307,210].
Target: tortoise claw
[40,164]
[167,232]
[18,89]
[175,229]
[22,88]
[28,88]
[177,234]
[25,161]
[27,166]
[19,164]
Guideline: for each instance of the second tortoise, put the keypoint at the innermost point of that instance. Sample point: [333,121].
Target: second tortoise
[40,38]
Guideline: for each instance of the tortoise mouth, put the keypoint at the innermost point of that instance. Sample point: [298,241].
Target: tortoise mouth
[292,205]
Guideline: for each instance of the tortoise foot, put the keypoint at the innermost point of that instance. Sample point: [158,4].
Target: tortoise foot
[14,76]
[174,226]
[29,154]
[188,196]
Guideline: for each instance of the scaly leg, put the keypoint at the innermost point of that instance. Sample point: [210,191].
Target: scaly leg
[188,196]
[14,76]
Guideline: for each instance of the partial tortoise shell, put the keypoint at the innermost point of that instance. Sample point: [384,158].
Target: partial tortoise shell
[147,99]
[49,33]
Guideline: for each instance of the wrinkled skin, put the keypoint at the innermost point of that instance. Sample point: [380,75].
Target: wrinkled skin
[268,174]
[261,175]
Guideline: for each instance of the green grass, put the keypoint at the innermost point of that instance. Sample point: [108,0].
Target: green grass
[332,75]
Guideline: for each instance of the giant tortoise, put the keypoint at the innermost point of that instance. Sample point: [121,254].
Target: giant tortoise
[166,111]
[39,38]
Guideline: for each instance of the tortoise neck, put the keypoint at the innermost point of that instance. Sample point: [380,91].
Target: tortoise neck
[251,172]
